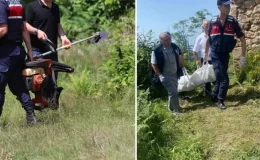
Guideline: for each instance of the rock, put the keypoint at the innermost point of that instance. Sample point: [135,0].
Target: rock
[257,1]
[255,45]
[242,10]
[238,3]
[250,34]
[242,18]
[256,9]
[234,11]
[247,12]
[249,44]
[256,40]
[249,4]
[255,28]
[246,26]
[256,19]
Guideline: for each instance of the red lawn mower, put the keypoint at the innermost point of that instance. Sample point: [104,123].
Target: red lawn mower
[40,75]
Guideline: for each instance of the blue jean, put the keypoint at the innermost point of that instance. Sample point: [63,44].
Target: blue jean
[170,82]
[52,56]
[11,74]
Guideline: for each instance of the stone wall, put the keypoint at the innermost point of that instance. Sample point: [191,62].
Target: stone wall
[247,12]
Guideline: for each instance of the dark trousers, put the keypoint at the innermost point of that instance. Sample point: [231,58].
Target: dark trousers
[220,65]
[11,74]
[207,86]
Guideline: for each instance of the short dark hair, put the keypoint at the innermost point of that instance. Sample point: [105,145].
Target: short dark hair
[168,33]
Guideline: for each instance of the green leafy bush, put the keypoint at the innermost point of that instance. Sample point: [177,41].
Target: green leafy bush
[152,142]
[253,66]
[251,71]
[189,148]
[145,45]
[120,65]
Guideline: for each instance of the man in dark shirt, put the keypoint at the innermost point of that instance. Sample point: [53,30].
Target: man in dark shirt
[12,33]
[221,32]
[43,21]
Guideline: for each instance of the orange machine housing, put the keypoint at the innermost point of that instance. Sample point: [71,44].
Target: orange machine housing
[35,76]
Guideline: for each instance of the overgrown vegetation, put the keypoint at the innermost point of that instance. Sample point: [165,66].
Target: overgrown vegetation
[203,131]
[82,18]
[96,115]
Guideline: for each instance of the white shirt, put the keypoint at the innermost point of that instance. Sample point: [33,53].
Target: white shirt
[200,45]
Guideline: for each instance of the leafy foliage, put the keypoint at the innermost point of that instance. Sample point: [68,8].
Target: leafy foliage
[152,139]
[187,28]
[253,66]
[189,148]
[145,45]
[251,71]
[80,18]
[120,66]
[159,135]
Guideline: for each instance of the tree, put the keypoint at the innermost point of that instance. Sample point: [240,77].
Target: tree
[182,34]
[187,28]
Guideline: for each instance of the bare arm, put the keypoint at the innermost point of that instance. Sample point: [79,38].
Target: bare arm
[40,34]
[195,54]
[64,40]
[243,41]
[156,69]
[3,30]
[30,28]
[181,61]
[61,31]
[206,50]
[27,40]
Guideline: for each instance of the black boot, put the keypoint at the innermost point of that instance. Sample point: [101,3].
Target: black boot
[221,105]
[30,115]
[31,118]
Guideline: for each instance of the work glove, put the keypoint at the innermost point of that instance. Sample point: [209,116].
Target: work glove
[242,61]
[161,77]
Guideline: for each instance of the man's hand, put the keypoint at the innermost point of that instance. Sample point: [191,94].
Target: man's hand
[41,35]
[29,56]
[242,61]
[198,63]
[65,42]
[205,59]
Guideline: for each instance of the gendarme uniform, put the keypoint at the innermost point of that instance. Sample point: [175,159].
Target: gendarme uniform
[222,42]
[13,54]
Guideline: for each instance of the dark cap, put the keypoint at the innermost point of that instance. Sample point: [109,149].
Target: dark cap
[225,2]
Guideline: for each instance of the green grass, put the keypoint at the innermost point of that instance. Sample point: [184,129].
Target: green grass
[206,132]
[86,126]
[225,131]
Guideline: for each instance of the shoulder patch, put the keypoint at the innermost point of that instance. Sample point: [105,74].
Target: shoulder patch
[214,19]
[230,18]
